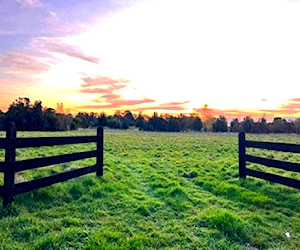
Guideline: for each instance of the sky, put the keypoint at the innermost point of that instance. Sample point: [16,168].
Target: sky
[238,57]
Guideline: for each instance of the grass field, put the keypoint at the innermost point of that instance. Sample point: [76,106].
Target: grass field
[159,190]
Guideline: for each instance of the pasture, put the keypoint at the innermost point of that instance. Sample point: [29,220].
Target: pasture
[159,190]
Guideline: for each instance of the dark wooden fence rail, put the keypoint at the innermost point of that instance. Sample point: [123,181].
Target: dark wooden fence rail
[10,166]
[283,147]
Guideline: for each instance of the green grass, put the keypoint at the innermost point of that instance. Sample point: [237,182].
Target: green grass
[159,190]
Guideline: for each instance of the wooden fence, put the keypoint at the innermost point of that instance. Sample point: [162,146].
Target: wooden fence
[283,147]
[10,166]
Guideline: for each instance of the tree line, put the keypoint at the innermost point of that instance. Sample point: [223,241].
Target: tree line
[34,117]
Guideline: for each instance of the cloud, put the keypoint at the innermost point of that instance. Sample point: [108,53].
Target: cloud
[102,85]
[160,108]
[173,104]
[100,90]
[109,97]
[295,100]
[117,101]
[167,106]
[102,80]
[58,45]
[29,3]
[231,113]
[16,62]
[117,104]
[289,110]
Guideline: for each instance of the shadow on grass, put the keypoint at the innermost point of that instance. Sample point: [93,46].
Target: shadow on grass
[8,211]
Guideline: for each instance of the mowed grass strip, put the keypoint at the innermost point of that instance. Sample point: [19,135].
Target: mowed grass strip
[159,190]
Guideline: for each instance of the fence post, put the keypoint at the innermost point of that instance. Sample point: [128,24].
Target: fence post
[99,163]
[242,153]
[10,157]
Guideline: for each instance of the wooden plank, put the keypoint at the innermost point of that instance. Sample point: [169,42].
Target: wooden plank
[274,178]
[242,151]
[290,166]
[52,141]
[2,165]
[46,161]
[2,143]
[284,147]
[99,164]
[10,157]
[47,181]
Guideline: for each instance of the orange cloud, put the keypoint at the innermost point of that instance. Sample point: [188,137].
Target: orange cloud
[107,87]
[293,106]
[288,110]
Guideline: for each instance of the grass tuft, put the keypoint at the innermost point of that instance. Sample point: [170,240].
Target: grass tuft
[228,223]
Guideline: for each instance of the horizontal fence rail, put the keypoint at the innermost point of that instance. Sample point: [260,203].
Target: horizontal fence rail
[285,165]
[42,162]
[52,141]
[274,178]
[49,180]
[10,166]
[283,147]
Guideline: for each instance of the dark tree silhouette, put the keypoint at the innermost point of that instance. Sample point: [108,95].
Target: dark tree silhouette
[102,120]
[33,117]
[247,124]
[197,124]
[235,126]
[220,125]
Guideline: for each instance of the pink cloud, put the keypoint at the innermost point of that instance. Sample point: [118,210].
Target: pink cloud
[109,97]
[19,62]
[168,106]
[100,90]
[103,85]
[102,80]
[59,46]
[117,104]
[171,104]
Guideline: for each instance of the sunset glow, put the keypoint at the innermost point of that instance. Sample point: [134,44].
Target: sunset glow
[171,56]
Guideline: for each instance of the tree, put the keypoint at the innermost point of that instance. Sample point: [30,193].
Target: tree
[197,124]
[50,121]
[208,124]
[140,121]
[18,112]
[174,124]
[37,116]
[247,124]
[102,120]
[156,123]
[262,125]
[220,125]
[129,118]
[235,126]
[2,117]
[279,125]
[297,125]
